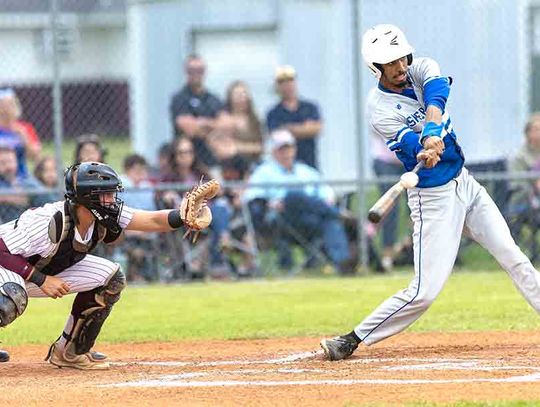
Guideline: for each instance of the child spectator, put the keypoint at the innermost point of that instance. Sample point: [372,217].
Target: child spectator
[138,193]
[10,134]
[89,148]
[12,205]
[47,175]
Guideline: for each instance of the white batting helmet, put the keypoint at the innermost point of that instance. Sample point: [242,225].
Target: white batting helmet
[382,44]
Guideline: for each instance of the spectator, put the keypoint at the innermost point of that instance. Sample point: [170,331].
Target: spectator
[385,163]
[165,156]
[89,148]
[11,206]
[236,238]
[138,190]
[184,166]
[525,196]
[141,263]
[11,134]
[301,117]
[12,107]
[186,169]
[310,210]
[223,145]
[195,112]
[243,122]
[46,174]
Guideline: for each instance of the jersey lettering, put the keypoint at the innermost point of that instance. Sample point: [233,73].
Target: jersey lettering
[416,117]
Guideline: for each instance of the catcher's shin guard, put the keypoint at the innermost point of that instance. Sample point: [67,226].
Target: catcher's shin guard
[4,356]
[89,312]
[13,301]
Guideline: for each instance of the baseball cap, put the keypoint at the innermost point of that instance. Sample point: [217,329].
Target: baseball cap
[285,73]
[281,138]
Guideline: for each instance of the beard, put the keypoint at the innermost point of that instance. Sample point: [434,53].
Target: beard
[403,84]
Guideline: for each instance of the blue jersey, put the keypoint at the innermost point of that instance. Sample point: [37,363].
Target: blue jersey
[399,119]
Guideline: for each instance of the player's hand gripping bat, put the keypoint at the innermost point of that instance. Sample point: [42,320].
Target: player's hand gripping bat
[385,203]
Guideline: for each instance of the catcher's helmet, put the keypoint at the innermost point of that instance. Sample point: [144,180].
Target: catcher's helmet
[382,44]
[85,182]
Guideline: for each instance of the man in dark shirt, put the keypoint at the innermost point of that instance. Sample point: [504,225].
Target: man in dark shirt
[301,117]
[195,112]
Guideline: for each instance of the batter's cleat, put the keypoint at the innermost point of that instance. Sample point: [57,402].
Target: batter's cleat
[64,358]
[4,356]
[96,356]
[338,348]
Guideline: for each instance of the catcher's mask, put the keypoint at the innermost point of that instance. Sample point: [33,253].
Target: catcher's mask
[87,184]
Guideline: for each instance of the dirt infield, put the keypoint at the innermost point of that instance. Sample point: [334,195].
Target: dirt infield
[410,367]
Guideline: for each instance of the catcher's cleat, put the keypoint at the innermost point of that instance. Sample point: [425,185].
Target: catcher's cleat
[4,356]
[338,348]
[64,358]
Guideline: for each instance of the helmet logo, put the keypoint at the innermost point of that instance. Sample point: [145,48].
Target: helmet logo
[96,214]
[394,41]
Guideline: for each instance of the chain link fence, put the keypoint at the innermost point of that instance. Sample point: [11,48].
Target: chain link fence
[204,103]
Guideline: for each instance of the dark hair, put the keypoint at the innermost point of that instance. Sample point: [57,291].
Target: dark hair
[134,159]
[235,168]
[254,122]
[192,57]
[40,166]
[197,167]
[89,138]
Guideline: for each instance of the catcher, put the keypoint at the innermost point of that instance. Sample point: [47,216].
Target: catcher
[45,252]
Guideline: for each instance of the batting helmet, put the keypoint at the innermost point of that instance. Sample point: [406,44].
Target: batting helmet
[382,44]
[85,182]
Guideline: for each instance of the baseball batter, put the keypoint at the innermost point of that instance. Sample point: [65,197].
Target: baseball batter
[45,252]
[408,110]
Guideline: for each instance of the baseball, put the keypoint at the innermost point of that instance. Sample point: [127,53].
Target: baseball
[409,180]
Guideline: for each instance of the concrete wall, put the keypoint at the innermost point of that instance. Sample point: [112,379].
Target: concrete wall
[98,50]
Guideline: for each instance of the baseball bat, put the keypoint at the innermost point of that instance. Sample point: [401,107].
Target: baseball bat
[386,202]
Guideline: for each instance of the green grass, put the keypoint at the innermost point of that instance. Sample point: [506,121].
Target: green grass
[477,301]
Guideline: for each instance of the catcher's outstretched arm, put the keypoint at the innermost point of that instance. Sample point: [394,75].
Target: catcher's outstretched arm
[193,213]
[152,221]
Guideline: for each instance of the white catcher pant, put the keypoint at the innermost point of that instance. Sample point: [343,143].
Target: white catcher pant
[440,215]
[91,272]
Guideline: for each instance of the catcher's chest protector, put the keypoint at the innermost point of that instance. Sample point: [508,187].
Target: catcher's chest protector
[68,250]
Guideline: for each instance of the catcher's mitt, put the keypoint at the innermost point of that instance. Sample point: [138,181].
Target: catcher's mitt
[194,212]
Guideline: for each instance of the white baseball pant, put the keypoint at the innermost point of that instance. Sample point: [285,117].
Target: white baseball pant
[91,272]
[440,215]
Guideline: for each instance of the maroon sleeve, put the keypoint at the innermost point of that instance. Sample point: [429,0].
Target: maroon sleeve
[14,262]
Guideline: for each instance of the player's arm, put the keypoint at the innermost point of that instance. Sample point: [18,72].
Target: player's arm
[398,136]
[155,221]
[405,141]
[31,237]
[436,89]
